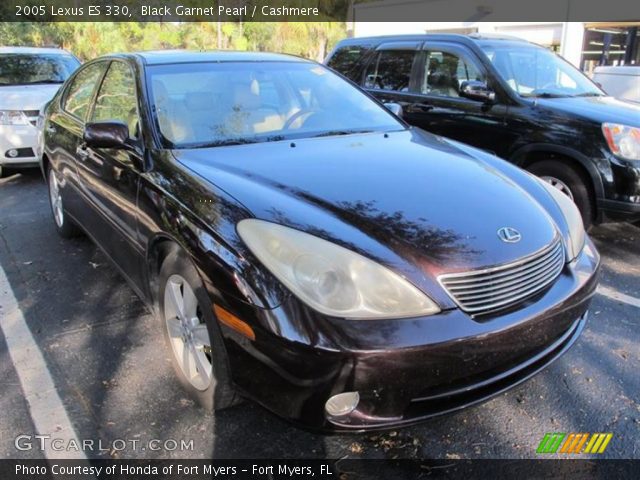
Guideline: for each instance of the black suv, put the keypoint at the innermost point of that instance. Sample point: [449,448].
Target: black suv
[515,99]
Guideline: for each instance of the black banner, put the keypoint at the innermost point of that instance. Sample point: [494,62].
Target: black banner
[345,469]
[315,10]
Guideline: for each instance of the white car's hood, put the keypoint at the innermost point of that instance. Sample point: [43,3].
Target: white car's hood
[26,97]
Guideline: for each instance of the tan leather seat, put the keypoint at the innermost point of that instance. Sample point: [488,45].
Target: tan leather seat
[249,116]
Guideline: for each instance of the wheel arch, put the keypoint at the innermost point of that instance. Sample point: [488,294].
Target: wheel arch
[44,165]
[530,154]
[160,247]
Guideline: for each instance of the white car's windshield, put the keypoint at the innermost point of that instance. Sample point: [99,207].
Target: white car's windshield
[31,69]
[532,71]
[222,103]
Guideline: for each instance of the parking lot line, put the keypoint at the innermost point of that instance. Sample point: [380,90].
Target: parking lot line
[620,297]
[47,411]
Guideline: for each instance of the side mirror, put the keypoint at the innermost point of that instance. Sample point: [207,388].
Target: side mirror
[106,135]
[477,90]
[394,108]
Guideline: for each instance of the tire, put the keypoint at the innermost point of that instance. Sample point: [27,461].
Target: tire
[179,282]
[1,171]
[570,181]
[64,225]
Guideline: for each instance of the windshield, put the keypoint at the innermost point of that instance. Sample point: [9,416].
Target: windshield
[223,103]
[28,69]
[536,72]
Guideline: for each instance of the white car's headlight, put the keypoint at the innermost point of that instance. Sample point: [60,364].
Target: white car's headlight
[573,218]
[13,117]
[623,140]
[332,279]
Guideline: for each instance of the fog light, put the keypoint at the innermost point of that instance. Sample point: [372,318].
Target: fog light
[342,404]
[13,153]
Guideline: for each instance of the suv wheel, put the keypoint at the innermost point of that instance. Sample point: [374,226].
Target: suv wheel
[569,181]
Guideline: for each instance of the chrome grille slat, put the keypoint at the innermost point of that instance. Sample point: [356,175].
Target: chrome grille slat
[497,272]
[538,278]
[508,281]
[481,291]
[529,283]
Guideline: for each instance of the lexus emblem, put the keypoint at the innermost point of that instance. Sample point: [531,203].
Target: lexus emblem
[509,235]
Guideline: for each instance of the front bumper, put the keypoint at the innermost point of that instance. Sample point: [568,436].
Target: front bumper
[404,370]
[22,138]
[622,197]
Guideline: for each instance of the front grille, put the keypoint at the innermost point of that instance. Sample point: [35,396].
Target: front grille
[489,289]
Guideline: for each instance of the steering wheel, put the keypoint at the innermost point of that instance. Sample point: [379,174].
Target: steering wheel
[300,113]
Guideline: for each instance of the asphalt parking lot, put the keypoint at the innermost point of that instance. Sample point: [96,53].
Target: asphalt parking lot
[105,355]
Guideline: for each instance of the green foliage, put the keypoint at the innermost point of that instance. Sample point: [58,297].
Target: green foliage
[88,40]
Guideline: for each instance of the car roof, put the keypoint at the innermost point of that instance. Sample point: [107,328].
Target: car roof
[163,57]
[474,38]
[34,50]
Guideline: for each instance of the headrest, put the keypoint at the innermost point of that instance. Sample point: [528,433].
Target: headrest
[246,95]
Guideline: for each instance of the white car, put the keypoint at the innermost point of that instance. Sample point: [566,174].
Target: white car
[622,82]
[29,78]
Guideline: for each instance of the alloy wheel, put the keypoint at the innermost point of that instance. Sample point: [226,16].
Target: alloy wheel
[56,199]
[188,332]
[559,184]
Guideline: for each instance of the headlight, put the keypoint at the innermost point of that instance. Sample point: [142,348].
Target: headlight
[623,140]
[13,117]
[331,279]
[573,218]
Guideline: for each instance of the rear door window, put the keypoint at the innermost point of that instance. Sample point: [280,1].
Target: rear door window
[345,60]
[390,70]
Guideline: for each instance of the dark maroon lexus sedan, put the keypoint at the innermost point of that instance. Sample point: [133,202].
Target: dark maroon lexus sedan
[305,248]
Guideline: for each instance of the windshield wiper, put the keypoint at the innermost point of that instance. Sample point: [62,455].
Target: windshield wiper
[40,82]
[546,95]
[222,143]
[589,94]
[332,133]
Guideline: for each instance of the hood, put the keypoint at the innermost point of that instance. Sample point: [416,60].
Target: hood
[403,198]
[26,97]
[596,109]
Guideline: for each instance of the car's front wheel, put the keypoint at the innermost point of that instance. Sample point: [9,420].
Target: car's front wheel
[192,335]
[64,225]
[569,181]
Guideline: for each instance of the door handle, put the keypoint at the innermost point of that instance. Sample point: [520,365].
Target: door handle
[419,107]
[82,152]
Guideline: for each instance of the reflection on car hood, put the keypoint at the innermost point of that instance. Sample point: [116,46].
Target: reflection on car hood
[26,97]
[408,197]
[597,109]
